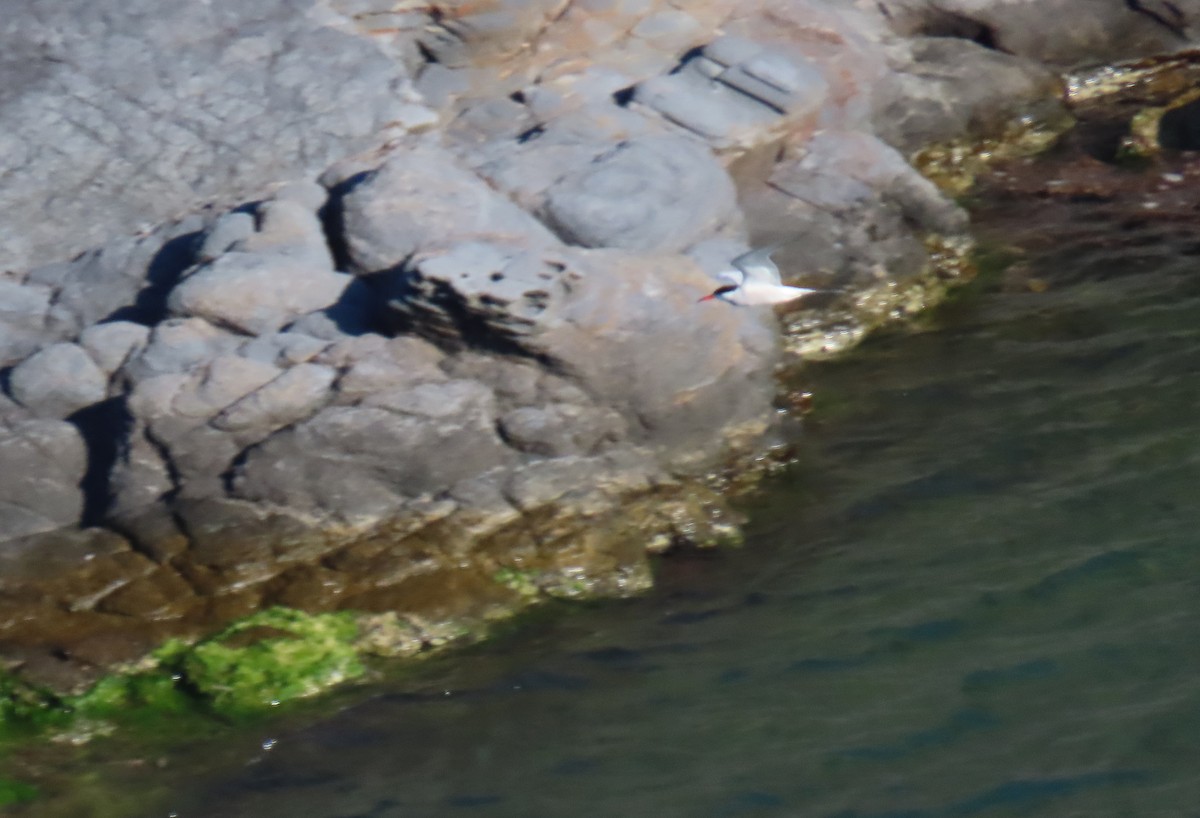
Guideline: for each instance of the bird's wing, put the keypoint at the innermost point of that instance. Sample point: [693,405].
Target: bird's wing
[757,264]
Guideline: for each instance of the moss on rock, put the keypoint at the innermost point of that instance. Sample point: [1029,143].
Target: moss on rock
[16,792]
[270,657]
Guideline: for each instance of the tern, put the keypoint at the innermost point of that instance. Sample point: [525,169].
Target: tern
[755,280]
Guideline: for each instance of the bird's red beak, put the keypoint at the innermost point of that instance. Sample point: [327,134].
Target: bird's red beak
[708,297]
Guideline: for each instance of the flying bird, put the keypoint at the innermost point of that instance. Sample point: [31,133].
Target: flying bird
[755,280]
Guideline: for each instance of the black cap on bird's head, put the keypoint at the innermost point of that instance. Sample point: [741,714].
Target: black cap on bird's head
[718,292]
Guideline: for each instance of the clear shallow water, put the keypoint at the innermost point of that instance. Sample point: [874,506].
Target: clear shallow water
[978,594]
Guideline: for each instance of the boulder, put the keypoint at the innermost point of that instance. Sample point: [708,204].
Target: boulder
[23,313]
[355,462]
[199,107]
[57,381]
[1060,32]
[737,93]
[653,193]
[113,343]
[255,293]
[944,88]
[479,293]
[422,198]
[44,463]
[179,345]
[633,338]
[289,398]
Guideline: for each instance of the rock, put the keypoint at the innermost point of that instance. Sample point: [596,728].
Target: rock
[114,343]
[421,199]
[124,279]
[306,192]
[840,171]
[290,398]
[480,293]
[178,345]
[737,93]
[374,364]
[23,310]
[526,164]
[515,381]
[466,32]
[654,193]
[945,89]
[57,381]
[560,429]
[226,232]
[623,308]
[283,348]
[254,293]
[44,462]
[173,122]
[360,462]
[1061,32]
[288,228]
[203,392]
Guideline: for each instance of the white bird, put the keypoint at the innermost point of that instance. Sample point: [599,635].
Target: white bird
[755,280]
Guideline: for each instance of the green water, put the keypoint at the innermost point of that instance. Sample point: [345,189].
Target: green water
[977,593]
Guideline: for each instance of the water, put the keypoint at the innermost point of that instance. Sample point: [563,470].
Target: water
[977,594]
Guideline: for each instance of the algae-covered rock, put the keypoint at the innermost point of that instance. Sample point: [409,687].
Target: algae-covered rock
[273,656]
[16,792]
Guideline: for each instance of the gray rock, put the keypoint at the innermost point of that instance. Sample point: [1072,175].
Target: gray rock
[308,193]
[944,88]
[737,93]
[254,293]
[290,398]
[1063,32]
[654,193]
[420,199]
[201,393]
[57,381]
[179,345]
[355,461]
[516,381]
[527,165]
[122,279]
[480,293]
[484,33]
[841,171]
[139,481]
[283,348]
[437,401]
[23,309]
[225,233]
[288,228]
[560,429]
[114,343]
[440,85]
[44,462]
[356,312]
[171,122]
[633,337]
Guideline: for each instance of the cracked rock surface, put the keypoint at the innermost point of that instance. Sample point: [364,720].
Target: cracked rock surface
[357,303]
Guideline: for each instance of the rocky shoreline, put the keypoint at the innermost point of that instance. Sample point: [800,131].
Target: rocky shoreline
[391,307]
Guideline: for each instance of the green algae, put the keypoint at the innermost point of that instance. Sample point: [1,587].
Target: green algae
[273,656]
[515,579]
[16,792]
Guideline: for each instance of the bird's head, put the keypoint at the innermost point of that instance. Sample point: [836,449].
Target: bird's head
[719,292]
